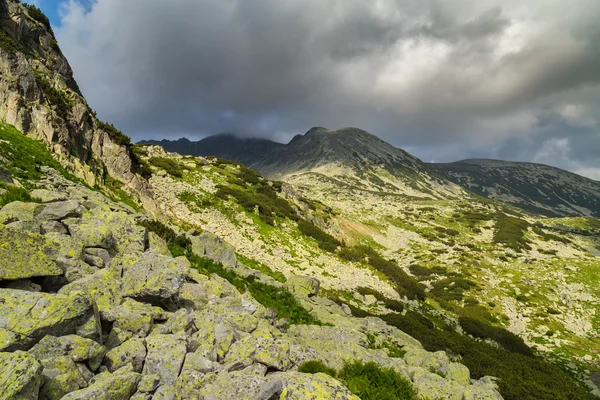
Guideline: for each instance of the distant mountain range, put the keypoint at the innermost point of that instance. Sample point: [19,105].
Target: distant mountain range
[534,187]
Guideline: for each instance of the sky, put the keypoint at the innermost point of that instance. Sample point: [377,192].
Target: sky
[443,79]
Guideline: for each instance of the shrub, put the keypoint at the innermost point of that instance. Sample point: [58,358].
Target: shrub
[115,134]
[265,269]
[15,193]
[372,382]
[38,15]
[481,329]
[325,241]
[314,367]
[452,288]
[393,305]
[54,97]
[7,43]
[178,244]
[169,165]
[510,231]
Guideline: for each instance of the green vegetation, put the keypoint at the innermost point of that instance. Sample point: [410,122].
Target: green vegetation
[421,271]
[452,288]
[115,134]
[369,381]
[168,164]
[178,244]
[393,305]
[115,187]
[483,330]
[405,284]
[315,367]
[7,43]
[38,15]
[254,193]
[326,241]
[520,377]
[510,231]
[53,96]
[26,155]
[142,166]
[258,266]
[10,193]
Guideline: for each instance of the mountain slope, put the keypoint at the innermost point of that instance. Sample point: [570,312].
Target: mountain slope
[534,187]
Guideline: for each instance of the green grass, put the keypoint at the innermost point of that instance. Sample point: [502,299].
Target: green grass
[325,241]
[15,193]
[314,367]
[369,381]
[258,266]
[169,165]
[481,329]
[26,155]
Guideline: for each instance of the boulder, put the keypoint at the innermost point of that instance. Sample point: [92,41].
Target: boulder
[25,255]
[299,386]
[20,376]
[133,352]
[120,385]
[48,196]
[60,210]
[77,348]
[154,279]
[434,387]
[240,385]
[165,357]
[30,316]
[304,285]
[61,376]
[20,211]
[211,246]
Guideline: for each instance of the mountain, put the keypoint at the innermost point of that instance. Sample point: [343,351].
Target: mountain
[534,187]
[228,146]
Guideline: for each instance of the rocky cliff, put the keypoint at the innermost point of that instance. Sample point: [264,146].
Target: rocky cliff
[39,96]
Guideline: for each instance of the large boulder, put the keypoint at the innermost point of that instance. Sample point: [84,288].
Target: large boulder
[165,357]
[299,386]
[20,376]
[60,210]
[25,255]
[211,246]
[77,348]
[306,285]
[133,352]
[154,279]
[241,385]
[61,376]
[120,385]
[30,316]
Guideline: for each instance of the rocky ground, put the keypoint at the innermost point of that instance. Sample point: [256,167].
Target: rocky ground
[93,306]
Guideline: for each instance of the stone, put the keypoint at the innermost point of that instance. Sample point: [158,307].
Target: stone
[154,279]
[166,393]
[25,255]
[60,210]
[24,284]
[432,386]
[31,316]
[165,357]
[61,376]
[22,211]
[157,245]
[370,299]
[299,386]
[304,285]
[99,253]
[148,383]
[239,385]
[198,363]
[261,347]
[120,385]
[20,376]
[54,226]
[77,348]
[211,246]
[103,286]
[458,373]
[131,352]
[48,196]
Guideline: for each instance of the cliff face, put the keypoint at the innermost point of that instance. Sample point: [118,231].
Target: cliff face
[40,97]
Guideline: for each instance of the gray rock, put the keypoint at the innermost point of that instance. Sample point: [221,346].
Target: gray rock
[60,210]
[77,348]
[131,352]
[120,385]
[48,196]
[24,284]
[213,247]
[20,376]
[61,376]
[149,383]
[165,357]
[304,285]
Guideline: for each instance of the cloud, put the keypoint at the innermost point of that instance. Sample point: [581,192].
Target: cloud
[445,79]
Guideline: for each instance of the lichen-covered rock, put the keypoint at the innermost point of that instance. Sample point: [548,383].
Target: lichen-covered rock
[31,316]
[20,376]
[148,383]
[133,316]
[120,385]
[458,373]
[306,285]
[157,245]
[48,196]
[433,387]
[165,357]
[104,286]
[25,255]
[261,347]
[131,352]
[240,385]
[61,376]
[154,279]
[77,348]
[166,393]
[211,246]
[299,386]
[483,389]
[60,210]
[21,211]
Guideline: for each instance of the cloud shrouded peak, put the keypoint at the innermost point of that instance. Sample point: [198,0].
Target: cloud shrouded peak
[443,79]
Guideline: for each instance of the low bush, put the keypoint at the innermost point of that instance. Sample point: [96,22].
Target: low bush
[54,97]
[115,134]
[510,231]
[178,244]
[325,241]
[452,288]
[481,329]
[314,367]
[14,193]
[391,304]
[38,15]
[169,165]
[369,381]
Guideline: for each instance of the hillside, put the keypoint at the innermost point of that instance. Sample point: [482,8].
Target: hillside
[534,187]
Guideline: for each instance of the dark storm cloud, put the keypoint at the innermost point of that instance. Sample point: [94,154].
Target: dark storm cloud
[445,79]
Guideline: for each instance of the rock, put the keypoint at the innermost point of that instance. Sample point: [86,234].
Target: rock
[120,385]
[54,226]
[239,385]
[458,373]
[157,245]
[149,383]
[154,279]
[481,393]
[98,253]
[434,387]
[165,357]
[61,376]
[213,247]
[131,316]
[77,348]
[60,210]
[225,336]
[131,352]
[299,386]
[304,285]
[261,347]
[20,376]
[198,363]
[166,393]
[24,284]
[25,255]
[20,211]
[31,316]
[370,299]
[103,286]
[48,196]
